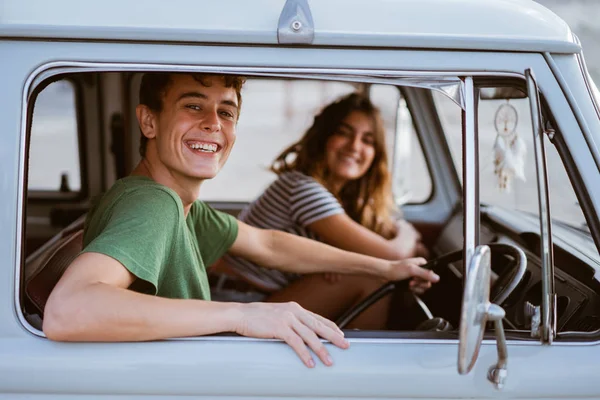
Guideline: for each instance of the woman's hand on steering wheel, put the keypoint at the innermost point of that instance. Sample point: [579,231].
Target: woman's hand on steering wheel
[418,285]
[411,268]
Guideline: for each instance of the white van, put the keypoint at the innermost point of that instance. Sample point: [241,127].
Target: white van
[518,316]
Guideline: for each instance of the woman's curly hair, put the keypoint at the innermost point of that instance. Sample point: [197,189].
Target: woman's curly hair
[367,200]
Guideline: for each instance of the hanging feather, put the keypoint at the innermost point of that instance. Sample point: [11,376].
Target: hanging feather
[510,150]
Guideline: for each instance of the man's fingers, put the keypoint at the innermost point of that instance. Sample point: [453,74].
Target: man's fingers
[312,340]
[326,329]
[327,322]
[297,344]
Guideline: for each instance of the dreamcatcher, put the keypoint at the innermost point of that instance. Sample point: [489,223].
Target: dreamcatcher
[509,148]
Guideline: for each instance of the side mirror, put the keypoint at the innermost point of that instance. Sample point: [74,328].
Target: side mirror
[476,312]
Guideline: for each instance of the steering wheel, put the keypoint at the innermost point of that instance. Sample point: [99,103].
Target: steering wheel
[501,289]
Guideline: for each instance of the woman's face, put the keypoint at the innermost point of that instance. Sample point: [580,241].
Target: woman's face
[350,151]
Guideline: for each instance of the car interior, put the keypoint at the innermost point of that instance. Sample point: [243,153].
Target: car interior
[82,136]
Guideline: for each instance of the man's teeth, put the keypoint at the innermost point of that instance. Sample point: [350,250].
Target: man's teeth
[211,148]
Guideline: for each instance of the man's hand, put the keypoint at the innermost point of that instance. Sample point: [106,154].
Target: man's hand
[411,268]
[293,324]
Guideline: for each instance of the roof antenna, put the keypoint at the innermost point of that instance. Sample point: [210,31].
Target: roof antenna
[296,25]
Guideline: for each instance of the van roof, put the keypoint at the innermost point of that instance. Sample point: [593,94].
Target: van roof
[508,25]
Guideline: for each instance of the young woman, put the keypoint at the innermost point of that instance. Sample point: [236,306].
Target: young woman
[334,186]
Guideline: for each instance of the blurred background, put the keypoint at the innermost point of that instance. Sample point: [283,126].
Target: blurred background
[583,16]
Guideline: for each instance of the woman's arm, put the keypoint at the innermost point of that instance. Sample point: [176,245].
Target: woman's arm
[342,232]
[291,253]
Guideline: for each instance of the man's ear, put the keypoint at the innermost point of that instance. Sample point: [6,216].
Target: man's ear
[147,121]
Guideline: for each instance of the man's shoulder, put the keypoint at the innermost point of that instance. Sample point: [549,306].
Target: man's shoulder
[140,193]
[203,210]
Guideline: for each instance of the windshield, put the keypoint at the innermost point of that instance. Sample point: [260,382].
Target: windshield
[520,191]
[567,233]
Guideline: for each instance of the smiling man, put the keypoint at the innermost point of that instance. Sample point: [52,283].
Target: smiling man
[148,240]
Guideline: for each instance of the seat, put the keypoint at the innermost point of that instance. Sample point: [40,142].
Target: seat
[45,266]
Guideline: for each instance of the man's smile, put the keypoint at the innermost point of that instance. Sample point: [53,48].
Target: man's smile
[202,146]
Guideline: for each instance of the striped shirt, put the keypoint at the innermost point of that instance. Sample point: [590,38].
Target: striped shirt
[290,204]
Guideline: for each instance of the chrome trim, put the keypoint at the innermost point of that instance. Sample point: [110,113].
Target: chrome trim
[50,69]
[447,83]
[576,112]
[487,342]
[498,373]
[475,307]
[423,306]
[470,176]
[548,326]
[296,25]
[586,76]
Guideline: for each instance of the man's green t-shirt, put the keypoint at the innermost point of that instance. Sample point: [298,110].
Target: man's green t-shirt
[141,224]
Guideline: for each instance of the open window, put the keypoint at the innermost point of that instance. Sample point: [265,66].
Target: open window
[277,111]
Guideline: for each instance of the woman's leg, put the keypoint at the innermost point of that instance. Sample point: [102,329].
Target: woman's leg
[331,300]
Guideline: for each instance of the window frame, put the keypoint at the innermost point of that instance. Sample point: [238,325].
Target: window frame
[44,72]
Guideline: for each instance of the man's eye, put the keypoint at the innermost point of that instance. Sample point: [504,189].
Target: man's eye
[194,107]
[227,114]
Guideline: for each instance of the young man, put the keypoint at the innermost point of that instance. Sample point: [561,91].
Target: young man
[142,276]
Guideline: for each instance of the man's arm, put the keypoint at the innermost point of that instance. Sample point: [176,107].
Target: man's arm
[91,302]
[292,253]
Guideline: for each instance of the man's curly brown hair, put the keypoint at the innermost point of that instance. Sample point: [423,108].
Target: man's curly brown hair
[154,86]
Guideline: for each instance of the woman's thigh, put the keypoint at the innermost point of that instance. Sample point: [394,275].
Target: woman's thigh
[331,300]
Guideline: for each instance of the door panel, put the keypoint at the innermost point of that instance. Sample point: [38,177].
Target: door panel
[238,367]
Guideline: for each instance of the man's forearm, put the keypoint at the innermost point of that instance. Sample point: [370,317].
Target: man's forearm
[100,312]
[296,254]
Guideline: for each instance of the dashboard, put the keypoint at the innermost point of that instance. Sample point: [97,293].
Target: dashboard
[578,292]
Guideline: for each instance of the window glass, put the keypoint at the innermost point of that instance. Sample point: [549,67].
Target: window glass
[514,119]
[411,181]
[523,195]
[510,119]
[564,205]
[450,117]
[513,115]
[54,151]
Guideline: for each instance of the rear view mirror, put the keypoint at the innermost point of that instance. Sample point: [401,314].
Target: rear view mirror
[476,312]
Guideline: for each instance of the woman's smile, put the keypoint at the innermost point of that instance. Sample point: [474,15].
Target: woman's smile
[350,151]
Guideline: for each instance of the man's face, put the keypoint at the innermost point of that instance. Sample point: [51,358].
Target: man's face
[195,130]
